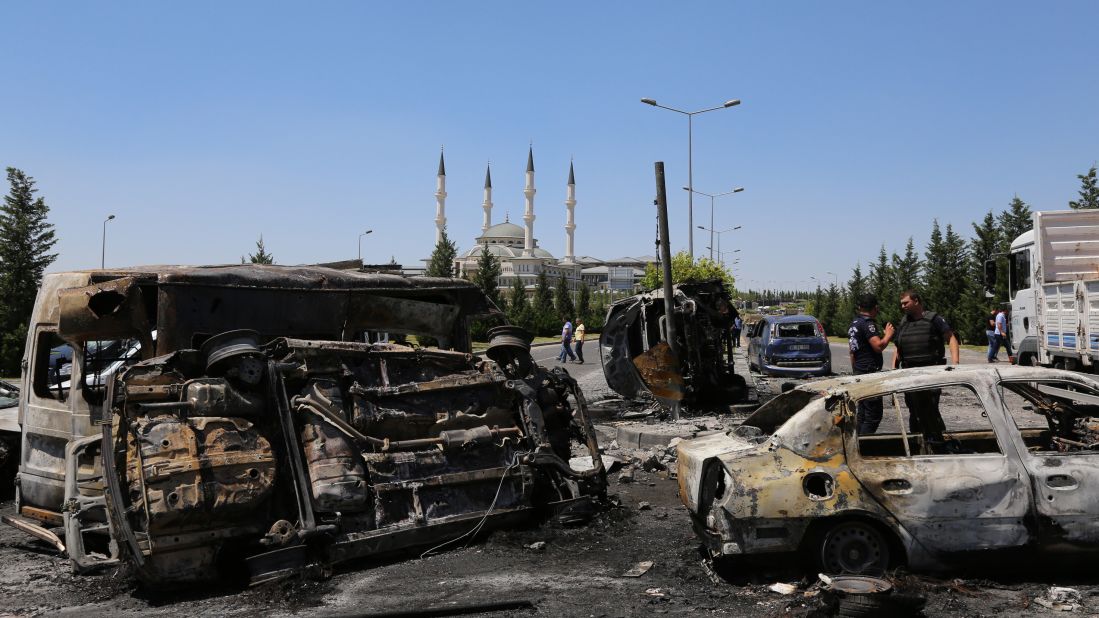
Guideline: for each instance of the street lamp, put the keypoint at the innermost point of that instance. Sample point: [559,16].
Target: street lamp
[719,233]
[837,277]
[711,228]
[690,162]
[361,246]
[103,247]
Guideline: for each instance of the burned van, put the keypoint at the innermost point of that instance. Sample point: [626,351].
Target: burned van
[637,358]
[267,419]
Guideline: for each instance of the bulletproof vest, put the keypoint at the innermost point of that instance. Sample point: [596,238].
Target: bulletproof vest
[920,342]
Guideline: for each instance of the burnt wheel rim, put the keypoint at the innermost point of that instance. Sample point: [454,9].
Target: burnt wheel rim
[854,547]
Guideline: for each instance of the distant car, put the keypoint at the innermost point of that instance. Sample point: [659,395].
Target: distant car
[792,345]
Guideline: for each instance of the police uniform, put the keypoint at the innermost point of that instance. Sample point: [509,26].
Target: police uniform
[866,360]
[922,343]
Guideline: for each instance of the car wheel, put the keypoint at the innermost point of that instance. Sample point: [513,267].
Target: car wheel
[854,547]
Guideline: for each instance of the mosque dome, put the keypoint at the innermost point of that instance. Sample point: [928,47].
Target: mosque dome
[506,229]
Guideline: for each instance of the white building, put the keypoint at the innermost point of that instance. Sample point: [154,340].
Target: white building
[518,250]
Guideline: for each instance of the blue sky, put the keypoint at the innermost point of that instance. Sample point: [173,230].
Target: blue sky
[202,125]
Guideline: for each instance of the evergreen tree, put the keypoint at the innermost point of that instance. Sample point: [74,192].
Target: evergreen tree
[25,242]
[441,263]
[957,286]
[519,312]
[934,287]
[562,300]
[856,287]
[544,317]
[907,271]
[976,305]
[829,312]
[1089,191]
[882,283]
[261,256]
[583,304]
[1013,222]
[487,276]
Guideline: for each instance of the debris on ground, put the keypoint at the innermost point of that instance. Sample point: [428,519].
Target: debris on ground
[639,569]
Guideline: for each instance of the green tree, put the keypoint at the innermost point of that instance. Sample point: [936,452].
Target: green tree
[544,316]
[686,269]
[856,287]
[975,304]
[882,283]
[441,263]
[828,314]
[562,299]
[261,256]
[519,312]
[583,304]
[26,238]
[487,276]
[1013,222]
[907,270]
[1089,191]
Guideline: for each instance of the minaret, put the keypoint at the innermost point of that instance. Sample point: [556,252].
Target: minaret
[487,205]
[570,223]
[440,200]
[528,217]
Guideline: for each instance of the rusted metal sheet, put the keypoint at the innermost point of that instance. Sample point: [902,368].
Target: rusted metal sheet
[637,358]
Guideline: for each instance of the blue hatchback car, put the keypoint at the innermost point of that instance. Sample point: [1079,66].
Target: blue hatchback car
[791,345]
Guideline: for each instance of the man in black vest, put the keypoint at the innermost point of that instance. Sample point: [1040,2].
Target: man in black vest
[866,344]
[920,342]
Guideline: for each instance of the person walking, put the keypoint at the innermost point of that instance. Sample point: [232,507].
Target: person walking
[921,341]
[993,337]
[566,343]
[867,343]
[738,324]
[580,328]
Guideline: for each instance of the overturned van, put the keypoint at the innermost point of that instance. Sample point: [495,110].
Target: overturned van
[637,359]
[260,418]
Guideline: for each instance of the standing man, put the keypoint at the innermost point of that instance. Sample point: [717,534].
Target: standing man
[1002,320]
[738,324]
[580,341]
[921,340]
[990,331]
[566,343]
[866,357]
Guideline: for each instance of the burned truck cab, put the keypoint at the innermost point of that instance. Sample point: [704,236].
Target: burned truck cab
[255,419]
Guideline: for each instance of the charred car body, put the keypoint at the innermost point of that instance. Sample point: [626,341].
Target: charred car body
[262,429]
[637,358]
[1014,466]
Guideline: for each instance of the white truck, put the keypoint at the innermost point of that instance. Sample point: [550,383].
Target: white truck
[1053,286]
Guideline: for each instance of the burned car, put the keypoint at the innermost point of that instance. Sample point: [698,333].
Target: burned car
[270,428]
[1012,467]
[637,358]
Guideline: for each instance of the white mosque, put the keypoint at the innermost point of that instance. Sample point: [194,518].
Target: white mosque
[518,250]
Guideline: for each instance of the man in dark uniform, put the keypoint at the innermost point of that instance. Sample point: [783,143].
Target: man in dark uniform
[921,339]
[867,344]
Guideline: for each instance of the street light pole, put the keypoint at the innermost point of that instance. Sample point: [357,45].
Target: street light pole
[690,161]
[103,247]
[711,228]
[361,246]
[719,233]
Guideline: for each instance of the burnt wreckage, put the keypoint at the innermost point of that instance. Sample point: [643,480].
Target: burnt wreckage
[637,358]
[294,444]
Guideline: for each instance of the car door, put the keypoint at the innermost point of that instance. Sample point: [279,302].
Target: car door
[1064,470]
[966,492]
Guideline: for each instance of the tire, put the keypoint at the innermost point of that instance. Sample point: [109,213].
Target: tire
[1028,360]
[854,547]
